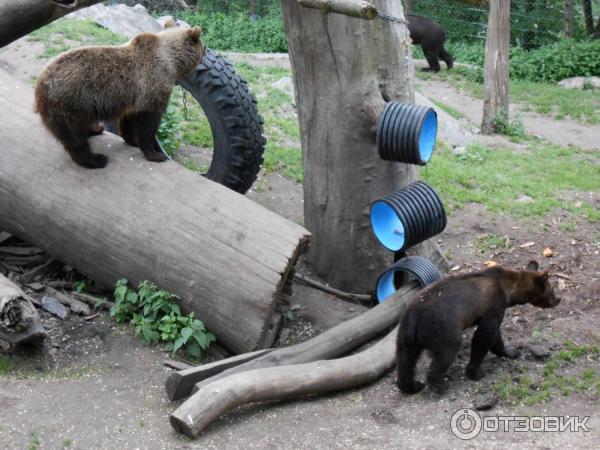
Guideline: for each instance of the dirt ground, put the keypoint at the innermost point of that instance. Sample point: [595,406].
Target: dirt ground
[96,386]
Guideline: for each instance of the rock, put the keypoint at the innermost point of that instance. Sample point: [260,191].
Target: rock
[458,151]
[55,307]
[524,199]
[580,82]
[178,22]
[539,352]
[120,19]
[284,84]
[485,401]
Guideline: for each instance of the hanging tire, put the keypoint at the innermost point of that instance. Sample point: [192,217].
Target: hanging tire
[236,125]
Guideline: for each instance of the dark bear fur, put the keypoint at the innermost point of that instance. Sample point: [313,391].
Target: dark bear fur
[436,318]
[130,83]
[431,37]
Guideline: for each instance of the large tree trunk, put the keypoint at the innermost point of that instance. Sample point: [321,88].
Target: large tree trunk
[588,16]
[496,65]
[18,18]
[345,69]
[226,257]
[19,320]
[569,18]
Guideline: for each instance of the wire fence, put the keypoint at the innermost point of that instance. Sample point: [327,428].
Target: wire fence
[533,22]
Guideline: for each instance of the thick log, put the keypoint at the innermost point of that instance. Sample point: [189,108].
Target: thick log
[19,320]
[333,343]
[353,8]
[224,256]
[18,18]
[279,383]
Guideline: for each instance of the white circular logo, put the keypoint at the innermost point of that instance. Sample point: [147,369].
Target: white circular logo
[466,423]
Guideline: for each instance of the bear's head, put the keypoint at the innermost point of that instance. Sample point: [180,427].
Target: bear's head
[534,287]
[183,47]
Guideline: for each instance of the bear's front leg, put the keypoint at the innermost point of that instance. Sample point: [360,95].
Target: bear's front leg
[483,339]
[500,350]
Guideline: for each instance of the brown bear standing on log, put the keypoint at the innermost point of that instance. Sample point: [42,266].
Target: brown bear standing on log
[436,318]
[431,36]
[131,83]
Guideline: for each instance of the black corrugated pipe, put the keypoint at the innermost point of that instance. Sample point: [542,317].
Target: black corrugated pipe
[407,216]
[406,133]
[416,267]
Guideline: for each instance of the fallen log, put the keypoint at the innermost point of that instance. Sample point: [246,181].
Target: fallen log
[279,383]
[333,343]
[19,320]
[225,257]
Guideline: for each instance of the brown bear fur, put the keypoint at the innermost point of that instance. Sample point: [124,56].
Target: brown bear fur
[130,83]
[436,318]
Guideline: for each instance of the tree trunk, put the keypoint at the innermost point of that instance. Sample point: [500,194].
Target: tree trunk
[495,75]
[409,6]
[226,257]
[18,18]
[588,16]
[278,383]
[569,18]
[345,70]
[19,320]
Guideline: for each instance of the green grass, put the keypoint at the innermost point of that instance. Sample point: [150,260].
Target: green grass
[449,109]
[551,380]
[497,177]
[25,368]
[491,241]
[65,34]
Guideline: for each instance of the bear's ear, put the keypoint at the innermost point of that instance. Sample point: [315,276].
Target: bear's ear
[533,265]
[194,34]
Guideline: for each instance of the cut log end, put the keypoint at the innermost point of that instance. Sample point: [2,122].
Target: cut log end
[181,426]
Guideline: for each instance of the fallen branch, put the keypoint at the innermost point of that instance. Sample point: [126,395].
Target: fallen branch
[333,343]
[278,383]
[77,307]
[352,8]
[19,320]
[333,291]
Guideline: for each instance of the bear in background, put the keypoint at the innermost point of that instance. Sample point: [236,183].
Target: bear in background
[130,83]
[436,318]
[431,37]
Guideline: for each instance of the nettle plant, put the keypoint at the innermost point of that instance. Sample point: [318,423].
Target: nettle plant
[156,318]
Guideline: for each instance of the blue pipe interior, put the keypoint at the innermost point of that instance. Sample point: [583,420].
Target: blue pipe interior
[386,286]
[387,226]
[428,135]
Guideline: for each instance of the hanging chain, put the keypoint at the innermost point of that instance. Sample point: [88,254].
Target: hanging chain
[385,16]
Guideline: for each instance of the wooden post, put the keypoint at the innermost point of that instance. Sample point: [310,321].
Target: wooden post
[18,18]
[588,16]
[345,70]
[569,18]
[496,65]
[225,257]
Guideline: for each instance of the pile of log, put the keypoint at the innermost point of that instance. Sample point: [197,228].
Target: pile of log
[314,366]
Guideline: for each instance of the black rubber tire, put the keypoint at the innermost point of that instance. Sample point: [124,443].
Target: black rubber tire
[236,125]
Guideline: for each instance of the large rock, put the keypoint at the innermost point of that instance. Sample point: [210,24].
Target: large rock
[120,19]
[580,82]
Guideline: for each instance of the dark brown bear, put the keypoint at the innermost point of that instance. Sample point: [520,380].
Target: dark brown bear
[431,37]
[436,318]
[131,83]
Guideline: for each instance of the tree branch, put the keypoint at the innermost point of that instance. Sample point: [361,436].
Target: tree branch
[352,8]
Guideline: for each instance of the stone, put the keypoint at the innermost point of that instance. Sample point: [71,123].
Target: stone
[120,19]
[485,401]
[580,82]
[55,307]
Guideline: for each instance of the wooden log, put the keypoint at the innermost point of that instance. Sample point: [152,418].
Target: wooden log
[333,343]
[17,18]
[278,383]
[353,8]
[19,320]
[224,256]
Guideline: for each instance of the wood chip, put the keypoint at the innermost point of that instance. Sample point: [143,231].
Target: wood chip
[562,275]
[455,268]
[490,263]
[527,244]
[548,253]
[561,284]
[91,317]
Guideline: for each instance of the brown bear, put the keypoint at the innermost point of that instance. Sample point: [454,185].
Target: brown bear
[431,37]
[436,318]
[130,83]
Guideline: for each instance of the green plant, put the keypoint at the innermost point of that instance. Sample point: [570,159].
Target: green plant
[156,318]
[492,241]
[169,131]
[511,128]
